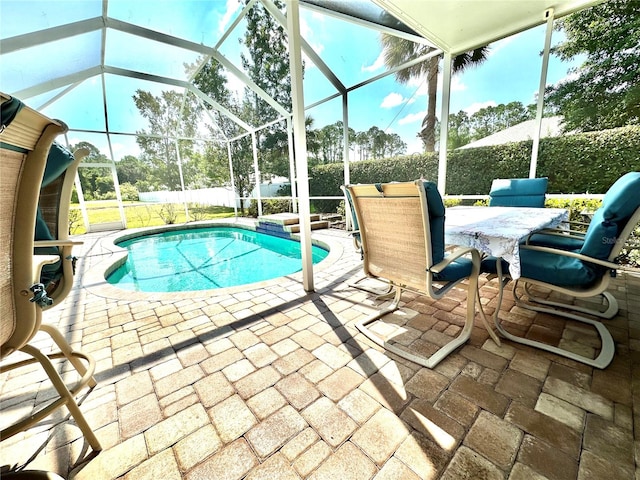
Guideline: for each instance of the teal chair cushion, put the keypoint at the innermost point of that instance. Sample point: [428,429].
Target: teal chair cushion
[518,192]
[600,237]
[459,268]
[618,204]
[9,110]
[52,271]
[488,265]
[558,269]
[622,198]
[556,241]
[58,161]
[436,221]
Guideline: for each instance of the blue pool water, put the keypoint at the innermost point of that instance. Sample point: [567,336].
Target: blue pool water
[206,258]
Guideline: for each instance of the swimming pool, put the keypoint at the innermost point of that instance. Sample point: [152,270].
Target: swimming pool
[206,258]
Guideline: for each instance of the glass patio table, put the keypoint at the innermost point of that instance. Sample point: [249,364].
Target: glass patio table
[498,231]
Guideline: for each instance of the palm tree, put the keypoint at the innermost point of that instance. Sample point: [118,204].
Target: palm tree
[399,50]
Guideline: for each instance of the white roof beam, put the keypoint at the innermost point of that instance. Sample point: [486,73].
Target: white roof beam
[194,47]
[235,23]
[306,48]
[52,34]
[364,23]
[391,71]
[59,82]
[177,83]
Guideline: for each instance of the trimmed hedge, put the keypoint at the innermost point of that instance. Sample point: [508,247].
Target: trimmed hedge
[581,163]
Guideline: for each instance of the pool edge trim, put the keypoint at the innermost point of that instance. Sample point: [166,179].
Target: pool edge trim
[94,278]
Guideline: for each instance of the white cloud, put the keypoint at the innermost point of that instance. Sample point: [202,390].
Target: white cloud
[392,100]
[232,7]
[474,107]
[377,65]
[412,118]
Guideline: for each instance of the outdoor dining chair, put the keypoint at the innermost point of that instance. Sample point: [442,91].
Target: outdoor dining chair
[52,220]
[583,273]
[518,192]
[402,234]
[350,212]
[24,145]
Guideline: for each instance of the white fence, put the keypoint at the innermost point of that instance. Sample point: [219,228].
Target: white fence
[219,196]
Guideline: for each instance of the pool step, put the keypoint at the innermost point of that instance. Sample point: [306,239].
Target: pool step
[284,224]
[285,218]
[315,225]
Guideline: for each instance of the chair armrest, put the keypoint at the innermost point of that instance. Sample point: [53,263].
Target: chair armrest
[56,243]
[558,232]
[579,256]
[453,255]
[40,261]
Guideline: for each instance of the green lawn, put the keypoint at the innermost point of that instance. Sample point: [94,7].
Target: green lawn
[142,214]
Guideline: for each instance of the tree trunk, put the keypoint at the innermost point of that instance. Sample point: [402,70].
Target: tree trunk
[427,132]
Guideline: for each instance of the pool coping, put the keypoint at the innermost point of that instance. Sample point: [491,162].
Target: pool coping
[94,278]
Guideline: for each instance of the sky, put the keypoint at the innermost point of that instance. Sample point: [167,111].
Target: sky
[352,52]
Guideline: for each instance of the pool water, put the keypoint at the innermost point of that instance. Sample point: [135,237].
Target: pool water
[206,258]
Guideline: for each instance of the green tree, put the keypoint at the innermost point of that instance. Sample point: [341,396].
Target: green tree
[459,130]
[331,138]
[91,178]
[267,64]
[394,145]
[399,50]
[170,115]
[605,91]
[131,170]
[492,119]
[212,81]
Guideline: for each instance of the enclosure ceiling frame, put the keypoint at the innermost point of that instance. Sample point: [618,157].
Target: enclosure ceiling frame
[307,49]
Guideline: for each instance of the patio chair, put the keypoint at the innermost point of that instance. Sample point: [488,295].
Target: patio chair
[353,221]
[567,236]
[583,273]
[357,243]
[24,144]
[402,233]
[518,192]
[52,221]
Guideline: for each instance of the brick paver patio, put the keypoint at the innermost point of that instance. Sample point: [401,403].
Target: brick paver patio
[269,382]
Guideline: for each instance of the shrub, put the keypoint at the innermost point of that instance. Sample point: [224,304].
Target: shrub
[75,219]
[142,214]
[128,192]
[581,163]
[168,213]
[197,211]
[270,206]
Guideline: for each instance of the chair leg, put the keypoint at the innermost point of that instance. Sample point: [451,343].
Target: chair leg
[69,354]
[607,349]
[380,293]
[66,395]
[607,300]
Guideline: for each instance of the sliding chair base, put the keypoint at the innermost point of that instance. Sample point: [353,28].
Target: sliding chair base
[607,349]
[380,293]
[429,362]
[607,300]
[66,393]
